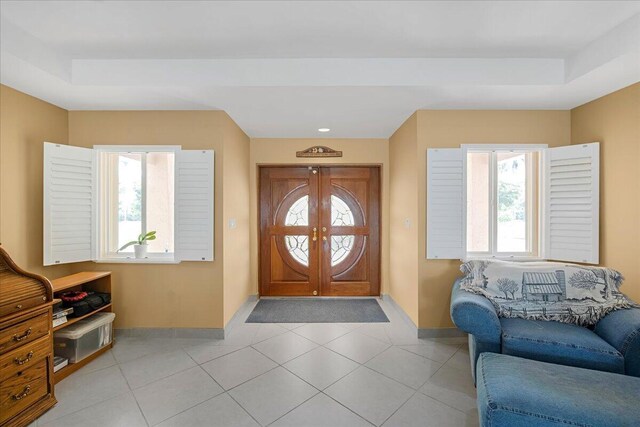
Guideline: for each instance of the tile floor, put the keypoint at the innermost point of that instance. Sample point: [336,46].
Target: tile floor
[276,375]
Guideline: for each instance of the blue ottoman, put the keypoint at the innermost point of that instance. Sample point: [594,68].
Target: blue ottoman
[518,392]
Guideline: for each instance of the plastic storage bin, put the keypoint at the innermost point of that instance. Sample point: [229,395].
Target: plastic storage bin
[84,337]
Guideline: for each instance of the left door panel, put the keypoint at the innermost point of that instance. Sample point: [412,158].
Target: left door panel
[288,242]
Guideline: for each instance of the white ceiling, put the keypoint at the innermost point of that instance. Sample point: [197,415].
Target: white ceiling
[284,69]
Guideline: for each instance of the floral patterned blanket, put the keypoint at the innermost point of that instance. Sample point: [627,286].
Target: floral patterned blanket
[568,293]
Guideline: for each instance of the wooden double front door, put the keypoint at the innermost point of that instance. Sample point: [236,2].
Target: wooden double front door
[319,231]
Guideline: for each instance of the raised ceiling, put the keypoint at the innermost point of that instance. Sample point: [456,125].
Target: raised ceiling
[285,69]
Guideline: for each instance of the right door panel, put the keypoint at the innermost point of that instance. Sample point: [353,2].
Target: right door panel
[350,230]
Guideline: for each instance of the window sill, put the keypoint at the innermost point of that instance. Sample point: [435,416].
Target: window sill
[504,258]
[137,261]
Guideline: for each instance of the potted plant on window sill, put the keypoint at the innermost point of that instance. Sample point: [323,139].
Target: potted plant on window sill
[140,245]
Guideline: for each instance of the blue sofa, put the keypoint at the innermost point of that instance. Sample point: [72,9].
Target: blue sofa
[613,345]
[515,392]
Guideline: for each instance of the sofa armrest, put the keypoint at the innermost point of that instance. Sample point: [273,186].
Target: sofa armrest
[621,329]
[475,315]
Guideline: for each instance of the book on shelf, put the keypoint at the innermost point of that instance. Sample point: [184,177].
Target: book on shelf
[59,321]
[62,312]
[59,362]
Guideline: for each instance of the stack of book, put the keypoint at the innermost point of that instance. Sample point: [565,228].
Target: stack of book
[59,362]
[60,315]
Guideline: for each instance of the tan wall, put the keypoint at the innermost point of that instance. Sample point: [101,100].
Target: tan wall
[206,295]
[25,123]
[355,151]
[235,204]
[449,129]
[614,121]
[403,211]
[185,295]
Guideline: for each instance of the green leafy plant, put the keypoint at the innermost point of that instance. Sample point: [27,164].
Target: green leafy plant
[142,240]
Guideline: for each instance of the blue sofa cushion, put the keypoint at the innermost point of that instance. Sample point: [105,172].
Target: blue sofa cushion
[516,392]
[621,329]
[560,343]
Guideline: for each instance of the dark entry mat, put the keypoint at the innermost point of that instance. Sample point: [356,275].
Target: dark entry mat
[297,310]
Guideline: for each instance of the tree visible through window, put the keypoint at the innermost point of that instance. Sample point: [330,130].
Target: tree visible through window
[500,202]
[512,203]
[137,196]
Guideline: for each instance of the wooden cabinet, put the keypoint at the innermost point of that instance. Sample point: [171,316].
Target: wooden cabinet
[26,345]
[96,281]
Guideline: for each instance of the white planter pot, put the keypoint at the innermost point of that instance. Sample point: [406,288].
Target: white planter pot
[140,250]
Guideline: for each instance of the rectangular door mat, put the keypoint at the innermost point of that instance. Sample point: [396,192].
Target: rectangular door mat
[297,310]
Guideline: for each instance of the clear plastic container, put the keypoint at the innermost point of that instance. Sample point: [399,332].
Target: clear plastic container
[84,337]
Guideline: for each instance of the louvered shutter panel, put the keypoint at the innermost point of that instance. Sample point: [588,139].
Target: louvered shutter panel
[572,202]
[69,204]
[194,205]
[445,204]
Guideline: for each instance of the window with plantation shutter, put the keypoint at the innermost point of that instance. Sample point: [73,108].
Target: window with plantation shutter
[69,204]
[514,201]
[445,204]
[130,204]
[572,200]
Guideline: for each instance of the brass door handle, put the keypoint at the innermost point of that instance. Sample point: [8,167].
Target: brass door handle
[17,338]
[19,361]
[315,234]
[324,238]
[22,395]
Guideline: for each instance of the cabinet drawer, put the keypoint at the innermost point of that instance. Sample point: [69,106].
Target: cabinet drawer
[24,332]
[24,356]
[11,307]
[23,389]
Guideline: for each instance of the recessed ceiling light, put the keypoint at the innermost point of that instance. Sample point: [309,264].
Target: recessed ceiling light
[324,130]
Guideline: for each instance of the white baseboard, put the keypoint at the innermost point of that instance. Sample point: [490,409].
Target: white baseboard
[245,309]
[440,333]
[210,333]
[423,332]
[405,317]
[241,314]
[207,333]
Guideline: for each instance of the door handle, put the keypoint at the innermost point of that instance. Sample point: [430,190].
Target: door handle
[324,238]
[315,234]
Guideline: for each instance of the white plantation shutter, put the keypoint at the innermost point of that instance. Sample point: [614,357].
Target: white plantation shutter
[69,204]
[446,204]
[572,200]
[194,205]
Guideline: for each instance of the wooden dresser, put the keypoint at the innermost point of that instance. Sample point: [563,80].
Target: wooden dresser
[26,344]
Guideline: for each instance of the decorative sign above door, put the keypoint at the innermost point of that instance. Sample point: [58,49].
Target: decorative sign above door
[319,151]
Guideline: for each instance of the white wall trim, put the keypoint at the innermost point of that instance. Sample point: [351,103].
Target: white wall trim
[206,333]
[440,333]
[241,314]
[405,317]
[423,332]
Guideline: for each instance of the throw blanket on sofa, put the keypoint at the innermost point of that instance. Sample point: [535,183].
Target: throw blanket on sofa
[568,293]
